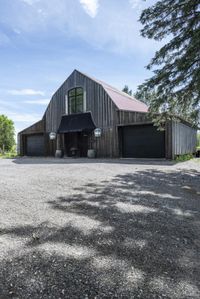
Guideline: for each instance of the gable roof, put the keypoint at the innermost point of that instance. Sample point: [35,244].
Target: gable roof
[122,100]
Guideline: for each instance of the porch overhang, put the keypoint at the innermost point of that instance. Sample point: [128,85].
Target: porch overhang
[79,122]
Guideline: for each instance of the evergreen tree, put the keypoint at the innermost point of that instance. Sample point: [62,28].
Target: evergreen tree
[176,65]
[144,96]
[127,90]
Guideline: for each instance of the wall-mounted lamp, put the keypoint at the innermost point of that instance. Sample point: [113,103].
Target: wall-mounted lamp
[52,136]
[97,132]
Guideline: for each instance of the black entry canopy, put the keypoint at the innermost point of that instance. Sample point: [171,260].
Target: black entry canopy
[76,123]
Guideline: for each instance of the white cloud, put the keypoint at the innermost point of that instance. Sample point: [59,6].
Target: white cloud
[8,105]
[26,92]
[30,2]
[135,3]
[91,7]
[17,31]
[115,30]
[12,110]
[38,102]
[23,117]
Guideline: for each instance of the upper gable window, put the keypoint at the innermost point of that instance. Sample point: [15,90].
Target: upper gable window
[75,100]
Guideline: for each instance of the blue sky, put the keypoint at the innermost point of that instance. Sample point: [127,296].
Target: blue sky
[43,41]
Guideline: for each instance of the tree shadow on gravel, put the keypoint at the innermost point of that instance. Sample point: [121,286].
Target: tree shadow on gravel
[136,236]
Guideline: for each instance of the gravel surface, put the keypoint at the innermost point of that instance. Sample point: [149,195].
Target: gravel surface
[86,229]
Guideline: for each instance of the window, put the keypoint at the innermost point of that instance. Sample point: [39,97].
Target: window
[75,100]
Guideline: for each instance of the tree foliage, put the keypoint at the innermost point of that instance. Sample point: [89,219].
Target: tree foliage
[7,132]
[198,140]
[176,66]
[145,96]
[127,90]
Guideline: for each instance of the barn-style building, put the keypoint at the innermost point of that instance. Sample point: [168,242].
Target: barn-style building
[83,104]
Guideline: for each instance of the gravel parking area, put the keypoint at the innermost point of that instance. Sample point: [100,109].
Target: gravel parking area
[86,229]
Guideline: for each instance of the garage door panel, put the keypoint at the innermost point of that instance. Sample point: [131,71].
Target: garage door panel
[143,142]
[35,145]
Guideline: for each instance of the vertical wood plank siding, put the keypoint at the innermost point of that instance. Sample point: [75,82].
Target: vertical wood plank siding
[103,110]
[37,128]
[128,117]
[123,118]
[180,138]
[184,139]
[168,140]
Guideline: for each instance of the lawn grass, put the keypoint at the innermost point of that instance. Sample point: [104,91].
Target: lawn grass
[8,155]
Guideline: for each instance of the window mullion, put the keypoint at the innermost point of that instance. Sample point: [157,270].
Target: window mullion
[76,98]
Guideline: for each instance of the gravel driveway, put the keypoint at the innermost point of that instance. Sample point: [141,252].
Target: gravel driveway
[79,228]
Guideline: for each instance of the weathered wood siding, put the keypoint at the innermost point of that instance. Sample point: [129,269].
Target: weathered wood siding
[104,112]
[168,140]
[184,139]
[180,138]
[124,118]
[97,102]
[130,117]
[37,128]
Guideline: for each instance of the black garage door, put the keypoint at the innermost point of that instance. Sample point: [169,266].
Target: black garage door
[35,145]
[143,141]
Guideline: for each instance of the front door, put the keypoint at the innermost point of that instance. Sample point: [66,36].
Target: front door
[76,140]
[83,144]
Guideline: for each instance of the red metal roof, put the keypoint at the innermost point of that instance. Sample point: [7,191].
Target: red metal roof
[125,102]
[122,100]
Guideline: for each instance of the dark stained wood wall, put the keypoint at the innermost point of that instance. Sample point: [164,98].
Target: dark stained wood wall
[37,128]
[184,139]
[105,114]
[104,111]
[124,118]
[97,102]
[168,140]
[130,117]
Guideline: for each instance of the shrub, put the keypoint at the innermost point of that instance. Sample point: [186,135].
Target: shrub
[182,158]
[9,154]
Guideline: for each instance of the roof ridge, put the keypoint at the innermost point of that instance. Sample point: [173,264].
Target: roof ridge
[131,103]
[104,84]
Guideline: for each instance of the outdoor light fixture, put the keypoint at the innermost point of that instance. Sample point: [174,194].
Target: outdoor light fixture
[52,135]
[97,132]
